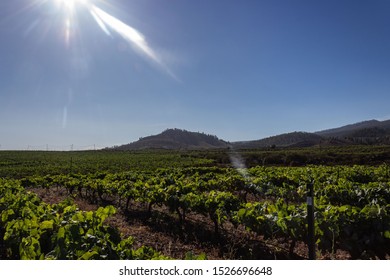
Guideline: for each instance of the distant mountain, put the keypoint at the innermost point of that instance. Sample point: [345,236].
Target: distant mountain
[372,132]
[367,132]
[347,130]
[293,139]
[176,139]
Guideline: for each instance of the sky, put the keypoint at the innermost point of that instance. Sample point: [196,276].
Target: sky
[81,74]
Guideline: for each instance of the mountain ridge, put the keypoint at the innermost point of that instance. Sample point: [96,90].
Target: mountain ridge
[346,129]
[367,132]
[174,138]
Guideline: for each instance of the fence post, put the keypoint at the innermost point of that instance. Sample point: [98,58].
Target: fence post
[310,221]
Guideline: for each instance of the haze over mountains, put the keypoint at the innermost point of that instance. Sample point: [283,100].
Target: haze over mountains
[372,132]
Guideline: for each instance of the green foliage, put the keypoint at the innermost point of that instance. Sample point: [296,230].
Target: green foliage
[351,208]
[36,230]
[21,164]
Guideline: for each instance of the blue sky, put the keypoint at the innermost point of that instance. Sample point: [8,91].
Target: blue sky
[105,73]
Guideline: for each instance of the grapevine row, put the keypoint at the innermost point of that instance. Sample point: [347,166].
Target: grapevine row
[352,203]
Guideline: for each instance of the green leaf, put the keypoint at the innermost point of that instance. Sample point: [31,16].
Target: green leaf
[6,214]
[109,210]
[241,212]
[61,233]
[386,234]
[47,225]
[89,255]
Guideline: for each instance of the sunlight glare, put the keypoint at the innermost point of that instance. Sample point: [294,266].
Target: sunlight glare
[67,32]
[239,164]
[100,23]
[70,4]
[128,33]
[108,24]
[64,117]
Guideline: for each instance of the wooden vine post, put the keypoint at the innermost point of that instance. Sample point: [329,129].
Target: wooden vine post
[310,221]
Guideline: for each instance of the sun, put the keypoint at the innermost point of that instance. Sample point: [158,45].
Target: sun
[71,10]
[71,4]
[68,9]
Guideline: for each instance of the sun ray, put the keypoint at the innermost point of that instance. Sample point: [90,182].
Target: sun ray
[100,23]
[108,24]
[127,32]
[71,4]
[67,32]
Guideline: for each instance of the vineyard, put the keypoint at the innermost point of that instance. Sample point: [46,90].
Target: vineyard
[183,206]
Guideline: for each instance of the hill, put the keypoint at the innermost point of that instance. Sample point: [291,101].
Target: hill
[345,131]
[372,132]
[367,132]
[293,139]
[176,139]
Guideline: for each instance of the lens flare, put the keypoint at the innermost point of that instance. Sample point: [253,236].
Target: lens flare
[71,4]
[128,33]
[239,164]
[64,117]
[100,23]
[67,32]
[108,24]
[104,19]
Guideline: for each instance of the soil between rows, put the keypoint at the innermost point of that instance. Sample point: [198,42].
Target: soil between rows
[161,230]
